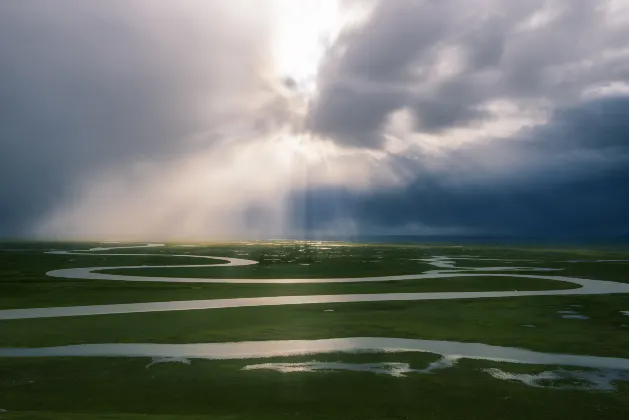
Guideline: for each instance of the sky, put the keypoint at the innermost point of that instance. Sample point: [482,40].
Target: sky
[250,119]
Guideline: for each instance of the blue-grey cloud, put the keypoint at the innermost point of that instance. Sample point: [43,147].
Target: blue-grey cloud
[571,177]
[446,61]
[90,86]
[145,90]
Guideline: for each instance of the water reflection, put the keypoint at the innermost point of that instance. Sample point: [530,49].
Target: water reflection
[599,380]
[589,287]
[451,350]
[388,368]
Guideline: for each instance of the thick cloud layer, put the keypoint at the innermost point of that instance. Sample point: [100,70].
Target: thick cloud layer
[446,62]
[151,118]
[89,87]
[514,118]
[567,177]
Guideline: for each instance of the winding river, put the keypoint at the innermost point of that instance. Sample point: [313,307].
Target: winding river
[265,349]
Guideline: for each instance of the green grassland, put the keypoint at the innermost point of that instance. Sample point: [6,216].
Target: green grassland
[23,282]
[72,292]
[489,321]
[123,389]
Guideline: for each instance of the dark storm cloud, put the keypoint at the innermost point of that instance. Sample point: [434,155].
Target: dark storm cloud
[347,113]
[90,85]
[568,176]
[445,61]
[445,112]
[601,124]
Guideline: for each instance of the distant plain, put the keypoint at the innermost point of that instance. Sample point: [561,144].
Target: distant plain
[121,388]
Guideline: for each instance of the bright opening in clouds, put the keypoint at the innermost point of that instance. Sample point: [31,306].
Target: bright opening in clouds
[266,118]
[301,33]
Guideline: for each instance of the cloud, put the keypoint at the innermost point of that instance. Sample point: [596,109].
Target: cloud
[446,62]
[164,119]
[90,88]
[569,175]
